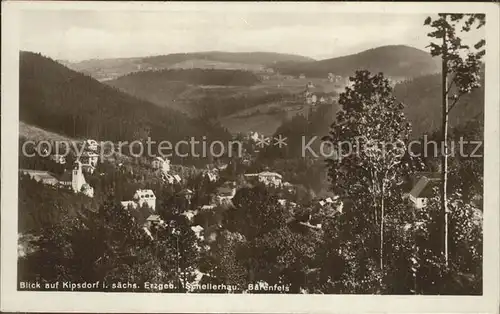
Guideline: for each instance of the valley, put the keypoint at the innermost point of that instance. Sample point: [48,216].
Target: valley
[257,92]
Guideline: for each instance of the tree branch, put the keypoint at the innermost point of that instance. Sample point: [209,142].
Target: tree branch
[451,84]
[454,103]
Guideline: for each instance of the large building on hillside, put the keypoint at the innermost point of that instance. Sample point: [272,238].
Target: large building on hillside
[146,196]
[75,180]
[89,161]
[142,208]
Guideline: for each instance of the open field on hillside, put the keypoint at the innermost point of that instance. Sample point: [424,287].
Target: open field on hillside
[36,134]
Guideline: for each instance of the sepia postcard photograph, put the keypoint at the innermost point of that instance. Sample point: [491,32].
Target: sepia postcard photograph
[263,157]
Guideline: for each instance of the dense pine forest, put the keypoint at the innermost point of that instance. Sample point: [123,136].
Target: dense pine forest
[394,61]
[67,102]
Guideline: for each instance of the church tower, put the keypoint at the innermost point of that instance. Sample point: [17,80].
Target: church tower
[77,178]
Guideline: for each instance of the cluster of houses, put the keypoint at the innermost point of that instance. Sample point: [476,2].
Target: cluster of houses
[333,78]
[89,156]
[72,180]
[143,205]
[163,165]
[142,208]
[311,95]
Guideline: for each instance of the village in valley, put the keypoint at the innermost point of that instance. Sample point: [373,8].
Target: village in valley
[205,220]
[273,217]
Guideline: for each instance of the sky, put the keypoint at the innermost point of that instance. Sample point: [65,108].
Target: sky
[76,35]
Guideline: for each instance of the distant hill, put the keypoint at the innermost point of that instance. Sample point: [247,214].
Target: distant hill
[220,92]
[396,61]
[217,65]
[195,76]
[181,89]
[57,99]
[105,69]
[264,58]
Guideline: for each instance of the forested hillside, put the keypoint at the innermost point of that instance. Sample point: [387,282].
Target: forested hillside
[422,97]
[394,61]
[104,69]
[70,103]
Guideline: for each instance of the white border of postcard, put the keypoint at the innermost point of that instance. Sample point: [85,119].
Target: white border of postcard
[23,301]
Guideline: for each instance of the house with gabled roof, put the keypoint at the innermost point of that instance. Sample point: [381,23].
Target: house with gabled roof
[423,188]
[143,210]
[75,180]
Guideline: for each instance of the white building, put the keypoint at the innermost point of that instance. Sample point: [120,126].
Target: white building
[76,180]
[177,178]
[254,136]
[145,217]
[145,196]
[207,207]
[90,144]
[171,179]
[162,164]
[284,202]
[198,231]
[190,214]
[89,161]
[266,177]
[60,159]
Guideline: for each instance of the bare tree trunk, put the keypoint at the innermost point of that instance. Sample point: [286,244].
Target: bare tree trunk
[444,151]
[382,227]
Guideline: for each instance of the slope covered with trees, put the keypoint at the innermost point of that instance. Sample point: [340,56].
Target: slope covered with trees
[193,76]
[394,61]
[422,97]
